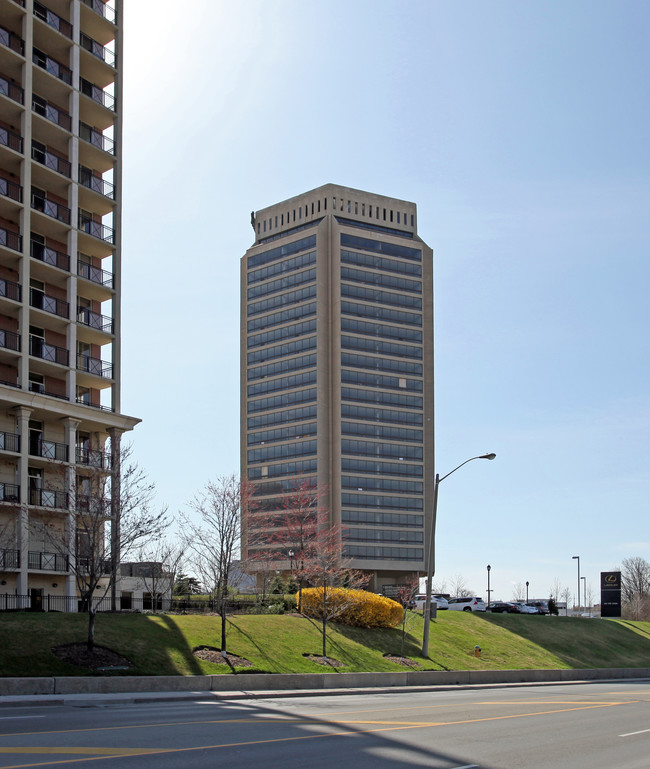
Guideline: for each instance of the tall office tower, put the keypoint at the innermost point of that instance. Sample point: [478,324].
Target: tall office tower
[60,201]
[337,372]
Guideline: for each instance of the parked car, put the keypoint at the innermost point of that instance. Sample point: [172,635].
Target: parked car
[541,607]
[470,603]
[504,607]
[440,600]
[524,608]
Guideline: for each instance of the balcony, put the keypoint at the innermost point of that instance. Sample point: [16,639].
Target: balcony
[10,139]
[95,274]
[11,190]
[84,400]
[10,290]
[42,301]
[47,561]
[52,66]
[10,89]
[9,442]
[9,559]
[39,348]
[11,239]
[54,21]
[96,229]
[48,450]
[48,498]
[95,183]
[97,504]
[104,10]
[94,458]
[95,320]
[54,114]
[12,41]
[97,94]
[9,492]
[49,256]
[98,50]
[94,366]
[50,159]
[96,138]
[9,340]
[37,387]
[40,202]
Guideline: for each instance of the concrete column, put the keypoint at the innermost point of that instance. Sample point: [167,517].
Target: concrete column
[116,451]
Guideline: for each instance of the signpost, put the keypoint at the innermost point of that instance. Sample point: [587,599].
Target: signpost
[610,593]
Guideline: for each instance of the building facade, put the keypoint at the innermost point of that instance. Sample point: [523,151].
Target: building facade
[60,211]
[337,371]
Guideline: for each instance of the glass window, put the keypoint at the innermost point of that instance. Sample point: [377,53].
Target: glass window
[260,372]
[381,297]
[278,401]
[281,300]
[283,383]
[282,350]
[381,450]
[380,279]
[381,431]
[282,417]
[381,263]
[284,316]
[298,329]
[369,414]
[255,260]
[381,313]
[281,284]
[381,246]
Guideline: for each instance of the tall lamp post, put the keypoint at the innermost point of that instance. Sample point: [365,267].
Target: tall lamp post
[527,583]
[584,591]
[573,557]
[291,554]
[489,569]
[431,554]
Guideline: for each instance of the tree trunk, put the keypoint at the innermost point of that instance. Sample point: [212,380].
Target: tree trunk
[324,623]
[91,627]
[223,625]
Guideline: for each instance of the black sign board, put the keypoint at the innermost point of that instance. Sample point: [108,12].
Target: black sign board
[610,593]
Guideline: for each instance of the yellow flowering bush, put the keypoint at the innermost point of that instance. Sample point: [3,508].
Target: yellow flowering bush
[352,607]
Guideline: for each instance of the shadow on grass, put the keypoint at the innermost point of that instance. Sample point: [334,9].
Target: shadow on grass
[580,642]
[236,628]
[172,638]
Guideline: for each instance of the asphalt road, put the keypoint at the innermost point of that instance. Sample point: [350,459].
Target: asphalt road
[577,726]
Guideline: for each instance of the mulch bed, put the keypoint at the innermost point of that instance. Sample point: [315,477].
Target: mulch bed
[326,661]
[210,654]
[406,661]
[100,657]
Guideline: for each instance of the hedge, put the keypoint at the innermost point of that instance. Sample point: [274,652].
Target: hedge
[352,607]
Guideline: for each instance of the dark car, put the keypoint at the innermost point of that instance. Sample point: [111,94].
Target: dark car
[504,606]
[541,606]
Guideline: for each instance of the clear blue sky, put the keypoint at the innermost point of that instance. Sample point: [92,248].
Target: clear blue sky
[520,129]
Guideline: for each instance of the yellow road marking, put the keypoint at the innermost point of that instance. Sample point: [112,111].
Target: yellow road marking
[87,751]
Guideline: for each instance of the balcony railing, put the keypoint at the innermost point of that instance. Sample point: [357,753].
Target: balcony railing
[47,561]
[95,366]
[49,17]
[98,50]
[9,559]
[10,89]
[49,255]
[11,239]
[107,11]
[95,274]
[10,340]
[93,503]
[38,387]
[10,139]
[95,320]
[9,442]
[96,138]
[12,41]
[52,66]
[88,179]
[84,400]
[97,94]
[48,498]
[39,348]
[51,159]
[96,229]
[54,114]
[9,492]
[52,304]
[11,189]
[94,458]
[58,211]
[48,450]
[10,290]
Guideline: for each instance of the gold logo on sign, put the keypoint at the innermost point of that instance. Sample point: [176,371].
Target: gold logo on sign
[611,578]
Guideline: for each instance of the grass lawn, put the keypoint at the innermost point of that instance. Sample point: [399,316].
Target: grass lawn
[163,644]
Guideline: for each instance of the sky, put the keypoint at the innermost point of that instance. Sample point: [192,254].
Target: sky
[520,130]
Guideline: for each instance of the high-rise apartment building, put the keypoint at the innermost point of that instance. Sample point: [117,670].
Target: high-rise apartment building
[60,206]
[337,371]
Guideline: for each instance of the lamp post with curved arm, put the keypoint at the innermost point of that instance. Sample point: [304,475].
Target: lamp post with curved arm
[431,554]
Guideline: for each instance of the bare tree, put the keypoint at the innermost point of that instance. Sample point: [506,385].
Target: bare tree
[555,590]
[459,587]
[405,595]
[635,579]
[90,543]
[519,592]
[214,541]
[160,562]
[565,595]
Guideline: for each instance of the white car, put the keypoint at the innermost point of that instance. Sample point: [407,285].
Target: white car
[469,603]
[523,608]
[440,600]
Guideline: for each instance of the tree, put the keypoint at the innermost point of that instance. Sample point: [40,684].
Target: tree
[459,587]
[635,587]
[519,592]
[326,569]
[109,522]
[186,585]
[405,595]
[214,541]
[160,561]
[565,595]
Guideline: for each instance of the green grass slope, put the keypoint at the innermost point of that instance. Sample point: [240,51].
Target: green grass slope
[163,644]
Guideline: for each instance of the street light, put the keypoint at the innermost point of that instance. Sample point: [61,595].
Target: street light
[573,558]
[527,583]
[431,555]
[584,592]
[291,554]
[489,569]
